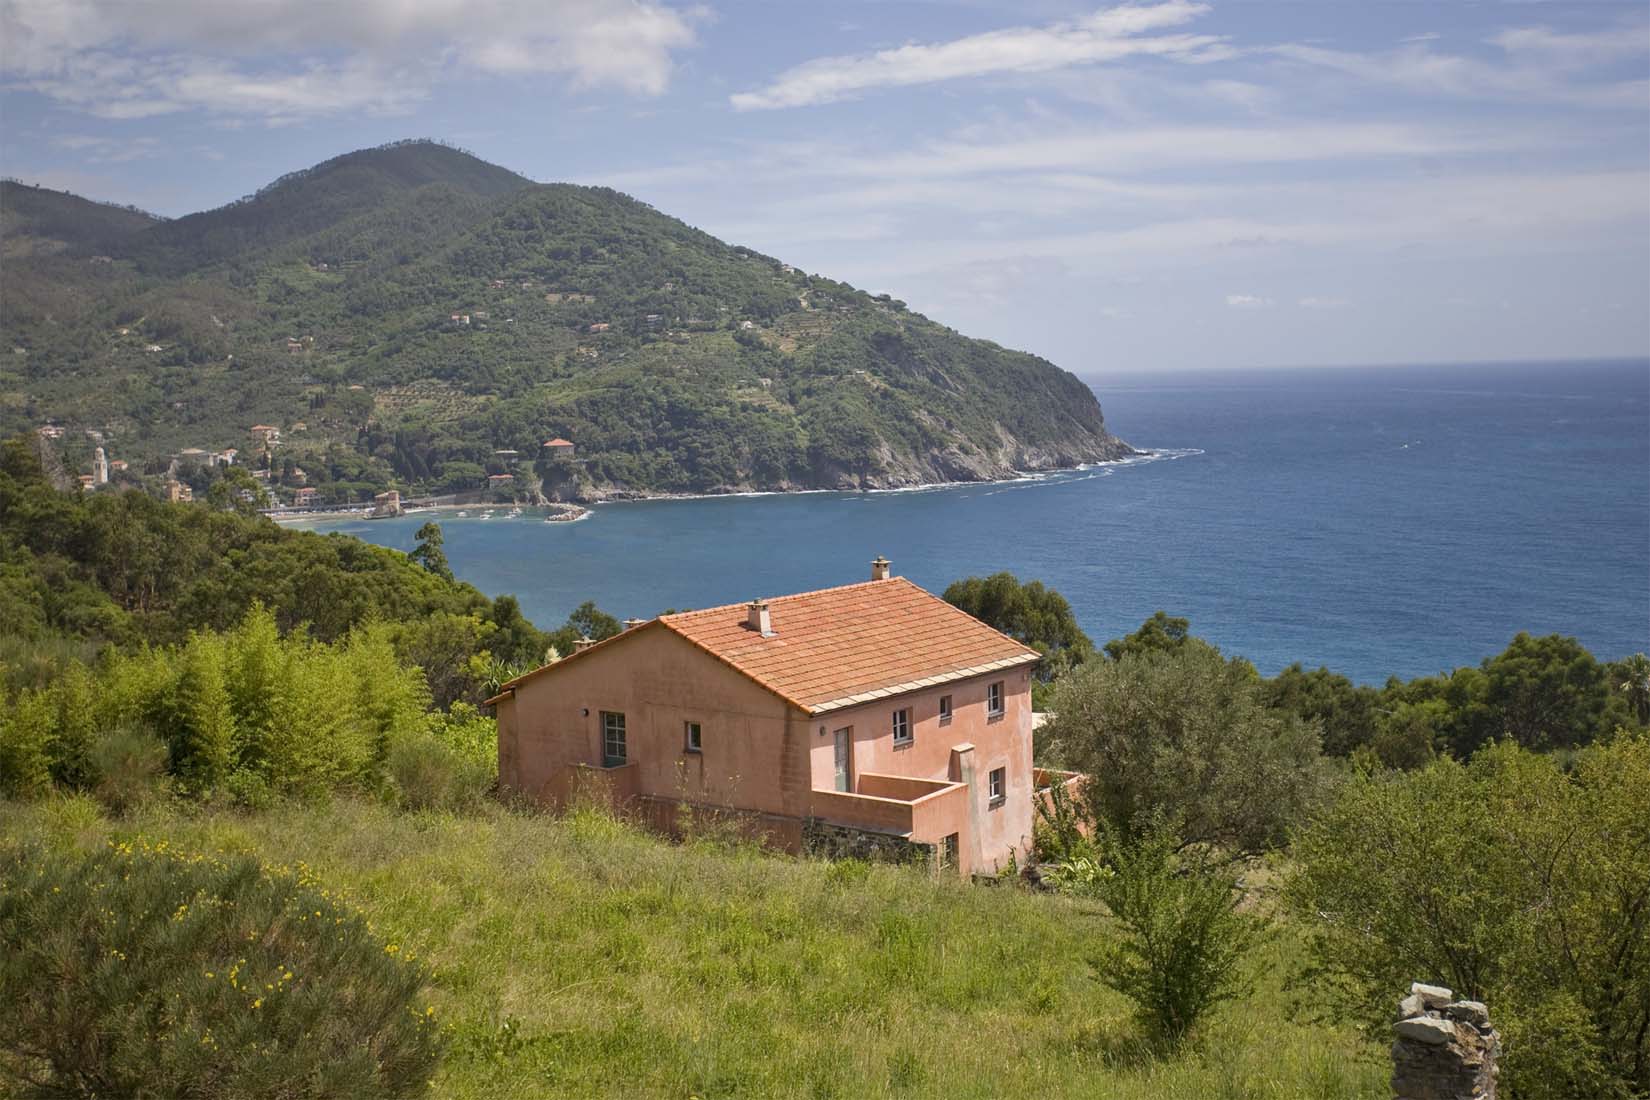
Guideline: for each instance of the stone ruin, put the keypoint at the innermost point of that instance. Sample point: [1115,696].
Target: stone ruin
[1446,1049]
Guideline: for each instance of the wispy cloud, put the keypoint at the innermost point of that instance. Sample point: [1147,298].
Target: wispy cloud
[106,150]
[287,59]
[1109,34]
[1247,301]
[1313,302]
[1533,65]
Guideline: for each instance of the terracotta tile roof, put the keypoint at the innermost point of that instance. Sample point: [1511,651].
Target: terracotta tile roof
[840,646]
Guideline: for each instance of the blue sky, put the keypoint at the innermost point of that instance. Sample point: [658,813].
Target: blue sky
[1157,185]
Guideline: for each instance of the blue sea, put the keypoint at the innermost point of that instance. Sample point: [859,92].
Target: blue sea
[1380,521]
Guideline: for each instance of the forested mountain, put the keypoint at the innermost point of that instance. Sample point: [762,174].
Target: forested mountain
[36,220]
[405,313]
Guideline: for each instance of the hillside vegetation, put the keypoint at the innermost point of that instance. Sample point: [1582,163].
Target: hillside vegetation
[417,310]
[579,957]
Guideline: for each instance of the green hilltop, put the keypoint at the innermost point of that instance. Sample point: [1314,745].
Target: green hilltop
[417,310]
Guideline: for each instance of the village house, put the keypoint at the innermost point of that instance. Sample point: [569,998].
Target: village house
[559,447]
[177,492]
[500,481]
[265,435]
[303,497]
[872,719]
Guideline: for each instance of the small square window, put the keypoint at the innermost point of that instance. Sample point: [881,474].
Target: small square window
[945,709]
[612,738]
[692,737]
[999,785]
[994,700]
[902,726]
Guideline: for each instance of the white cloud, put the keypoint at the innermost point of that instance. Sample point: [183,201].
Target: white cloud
[1536,65]
[285,59]
[1107,35]
[1312,302]
[1247,301]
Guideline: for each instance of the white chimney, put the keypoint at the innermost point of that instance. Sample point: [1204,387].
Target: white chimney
[879,568]
[757,618]
[632,624]
[583,644]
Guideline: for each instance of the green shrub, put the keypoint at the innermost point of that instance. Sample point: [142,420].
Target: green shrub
[1182,941]
[431,774]
[130,768]
[249,790]
[25,736]
[138,971]
[74,728]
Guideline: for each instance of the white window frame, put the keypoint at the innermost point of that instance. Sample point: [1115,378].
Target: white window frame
[997,786]
[996,699]
[609,728]
[945,709]
[902,721]
[693,737]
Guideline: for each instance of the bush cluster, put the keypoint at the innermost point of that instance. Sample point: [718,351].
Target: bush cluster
[140,971]
[251,714]
[1510,880]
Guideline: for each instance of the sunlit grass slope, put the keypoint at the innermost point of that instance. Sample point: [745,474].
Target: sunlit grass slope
[579,957]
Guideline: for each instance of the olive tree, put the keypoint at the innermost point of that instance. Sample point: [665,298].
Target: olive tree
[1183,737]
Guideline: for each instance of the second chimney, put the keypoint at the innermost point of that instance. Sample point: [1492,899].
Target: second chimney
[583,644]
[632,624]
[879,568]
[757,618]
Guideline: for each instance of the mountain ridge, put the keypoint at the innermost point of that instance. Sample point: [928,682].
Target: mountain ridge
[420,311]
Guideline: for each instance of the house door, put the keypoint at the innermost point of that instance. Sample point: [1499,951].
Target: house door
[844,759]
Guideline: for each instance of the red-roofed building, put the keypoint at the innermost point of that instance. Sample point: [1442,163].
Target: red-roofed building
[873,719]
[559,447]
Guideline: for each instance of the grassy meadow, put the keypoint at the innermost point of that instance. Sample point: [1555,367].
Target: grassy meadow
[578,956]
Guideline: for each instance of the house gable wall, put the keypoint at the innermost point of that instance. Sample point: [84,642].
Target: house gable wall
[752,757]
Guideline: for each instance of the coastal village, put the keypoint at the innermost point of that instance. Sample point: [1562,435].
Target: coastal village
[283,489]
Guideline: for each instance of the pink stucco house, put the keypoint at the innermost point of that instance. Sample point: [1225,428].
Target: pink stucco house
[872,719]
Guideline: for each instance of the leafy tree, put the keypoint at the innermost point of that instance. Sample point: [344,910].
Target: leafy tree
[1182,941]
[1346,713]
[1548,692]
[1029,613]
[1631,677]
[1407,735]
[1182,738]
[236,490]
[1508,879]
[428,552]
[587,621]
[136,971]
[1160,632]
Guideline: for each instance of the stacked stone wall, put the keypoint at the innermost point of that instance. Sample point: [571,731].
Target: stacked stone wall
[829,840]
[1445,1049]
